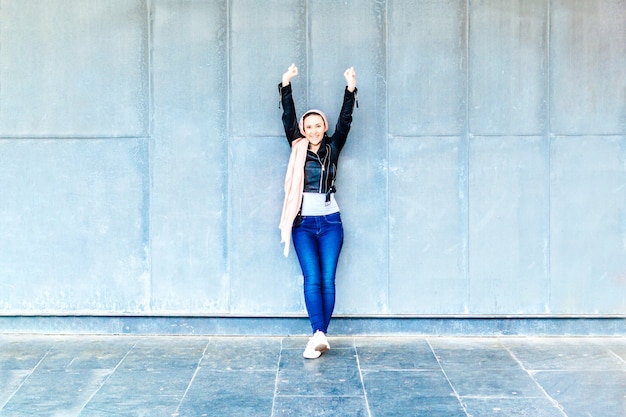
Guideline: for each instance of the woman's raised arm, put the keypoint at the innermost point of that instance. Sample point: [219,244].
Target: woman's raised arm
[292,71]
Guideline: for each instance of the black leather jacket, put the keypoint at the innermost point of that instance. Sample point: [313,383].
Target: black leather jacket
[320,169]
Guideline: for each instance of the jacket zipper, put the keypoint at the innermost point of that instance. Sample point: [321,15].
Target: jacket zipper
[322,175]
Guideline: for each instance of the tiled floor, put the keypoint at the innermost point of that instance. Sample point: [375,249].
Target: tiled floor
[251,376]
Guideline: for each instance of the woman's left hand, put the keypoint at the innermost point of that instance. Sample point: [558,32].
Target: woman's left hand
[350,76]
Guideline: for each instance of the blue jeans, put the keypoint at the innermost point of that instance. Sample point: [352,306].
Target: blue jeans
[318,242]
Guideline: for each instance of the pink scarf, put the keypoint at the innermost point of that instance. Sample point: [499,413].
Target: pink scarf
[294,185]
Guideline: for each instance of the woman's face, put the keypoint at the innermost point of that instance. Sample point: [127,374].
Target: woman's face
[314,129]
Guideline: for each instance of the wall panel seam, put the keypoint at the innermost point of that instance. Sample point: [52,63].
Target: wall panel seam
[227,128]
[150,16]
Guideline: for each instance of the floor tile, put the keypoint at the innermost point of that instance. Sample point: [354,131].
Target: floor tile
[157,354]
[419,407]
[410,393]
[10,381]
[127,409]
[379,384]
[128,390]
[334,373]
[508,407]
[320,406]
[402,353]
[617,346]
[51,392]
[564,354]
[584,394]
[75,353]
[480,353]
[241,353]
[493,382]
[23,353]
[230,393]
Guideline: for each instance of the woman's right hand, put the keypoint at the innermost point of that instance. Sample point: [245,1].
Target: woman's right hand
[292,71]
[350,76]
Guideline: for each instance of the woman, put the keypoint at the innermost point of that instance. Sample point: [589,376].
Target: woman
[310,211]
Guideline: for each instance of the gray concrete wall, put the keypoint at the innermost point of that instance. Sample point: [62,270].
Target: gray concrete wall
[142,155]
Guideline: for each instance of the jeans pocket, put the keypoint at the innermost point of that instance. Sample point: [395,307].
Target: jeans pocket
[334,218]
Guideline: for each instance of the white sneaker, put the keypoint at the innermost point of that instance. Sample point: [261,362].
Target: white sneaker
[309,351]
[320,342]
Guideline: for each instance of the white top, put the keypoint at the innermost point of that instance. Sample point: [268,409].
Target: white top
[314,204]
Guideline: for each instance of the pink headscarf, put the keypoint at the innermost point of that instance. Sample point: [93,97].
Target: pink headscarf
[314,111]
